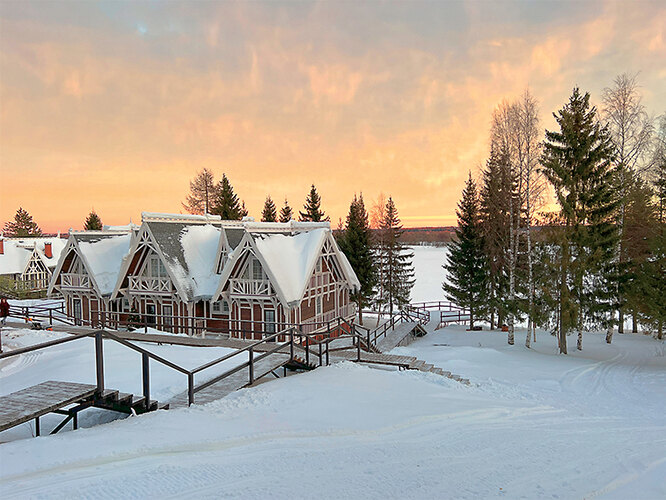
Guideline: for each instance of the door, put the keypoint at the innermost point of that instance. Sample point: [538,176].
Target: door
[167,317]
[78,311]
[150,314]
[269,321]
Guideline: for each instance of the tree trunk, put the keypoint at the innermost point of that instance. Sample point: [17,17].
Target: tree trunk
[620,322]
[634,323]
[579,342]
[609,331]
[660,330]
[562,339]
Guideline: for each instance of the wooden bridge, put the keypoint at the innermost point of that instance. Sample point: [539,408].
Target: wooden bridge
[289,349]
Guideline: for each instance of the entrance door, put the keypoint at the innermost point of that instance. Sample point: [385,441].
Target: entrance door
[269,321]
[167,319]
[78,311]
[150,314]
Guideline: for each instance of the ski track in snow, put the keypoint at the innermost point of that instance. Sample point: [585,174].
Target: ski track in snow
[533,424]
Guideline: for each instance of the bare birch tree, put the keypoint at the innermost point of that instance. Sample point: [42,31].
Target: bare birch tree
[503,138]
[631,131]
[531,185]
[202,189]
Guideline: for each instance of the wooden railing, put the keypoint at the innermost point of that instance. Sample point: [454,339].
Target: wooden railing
[241,286]
[148,284]
[287,341]
[71,280]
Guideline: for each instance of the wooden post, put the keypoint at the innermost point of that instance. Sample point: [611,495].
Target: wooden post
[145,361]
[251,355]
[51,317]
[307,350]
[99,361]
[320,354]
[37,426]
[190,389]
[291,344]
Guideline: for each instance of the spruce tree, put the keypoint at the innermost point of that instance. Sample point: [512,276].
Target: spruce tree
[312,208]
[576,161]
[270,211]
[654,270]
[467,266]
[286,213]
[354,241]
[22,225]
[93,222]
[225,203]
[495,215]
[397,278]
[202,190]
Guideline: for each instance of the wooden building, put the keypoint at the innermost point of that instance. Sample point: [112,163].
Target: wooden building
[87,273]
[27,264]
[190,273]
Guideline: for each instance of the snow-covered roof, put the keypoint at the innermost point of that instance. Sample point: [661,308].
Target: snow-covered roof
[163,217]
[190,252]
[290,258]
[18,251]
[125,227]
[289,254]
[103,255]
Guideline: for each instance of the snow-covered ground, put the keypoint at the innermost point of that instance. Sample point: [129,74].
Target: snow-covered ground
[75,362]
[533,424]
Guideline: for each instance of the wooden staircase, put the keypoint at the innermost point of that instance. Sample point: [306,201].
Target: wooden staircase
[126,403]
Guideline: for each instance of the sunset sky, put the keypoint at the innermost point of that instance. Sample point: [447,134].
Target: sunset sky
[116,105]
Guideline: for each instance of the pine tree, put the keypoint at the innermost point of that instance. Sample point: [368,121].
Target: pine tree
[397,277]
[312,207]
[202,190]
[22,225]
[225,203]
[93,222]
[467,266]
[286,213]
[270,211]
[355,242]
[576,161]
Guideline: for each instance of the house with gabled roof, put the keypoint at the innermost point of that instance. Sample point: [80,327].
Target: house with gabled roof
[282,274]
[172,269]
[29,262]
[87,273]
[190,273]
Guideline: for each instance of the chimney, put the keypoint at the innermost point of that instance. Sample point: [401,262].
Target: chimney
[48,251]
[2,246]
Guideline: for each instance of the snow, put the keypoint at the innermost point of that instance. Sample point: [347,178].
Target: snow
[533,424]
[180,217]
[200,249]
[17,253]
[291,259]
[104,259]
[75,362]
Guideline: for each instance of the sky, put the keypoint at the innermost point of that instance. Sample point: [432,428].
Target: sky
[116,105]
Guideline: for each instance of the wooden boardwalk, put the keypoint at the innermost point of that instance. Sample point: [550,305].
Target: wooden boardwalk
[394,338]
[33,402]
[233,382]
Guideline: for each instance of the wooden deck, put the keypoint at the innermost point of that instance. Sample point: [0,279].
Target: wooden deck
[33,402]
[233,382]
[394,338]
